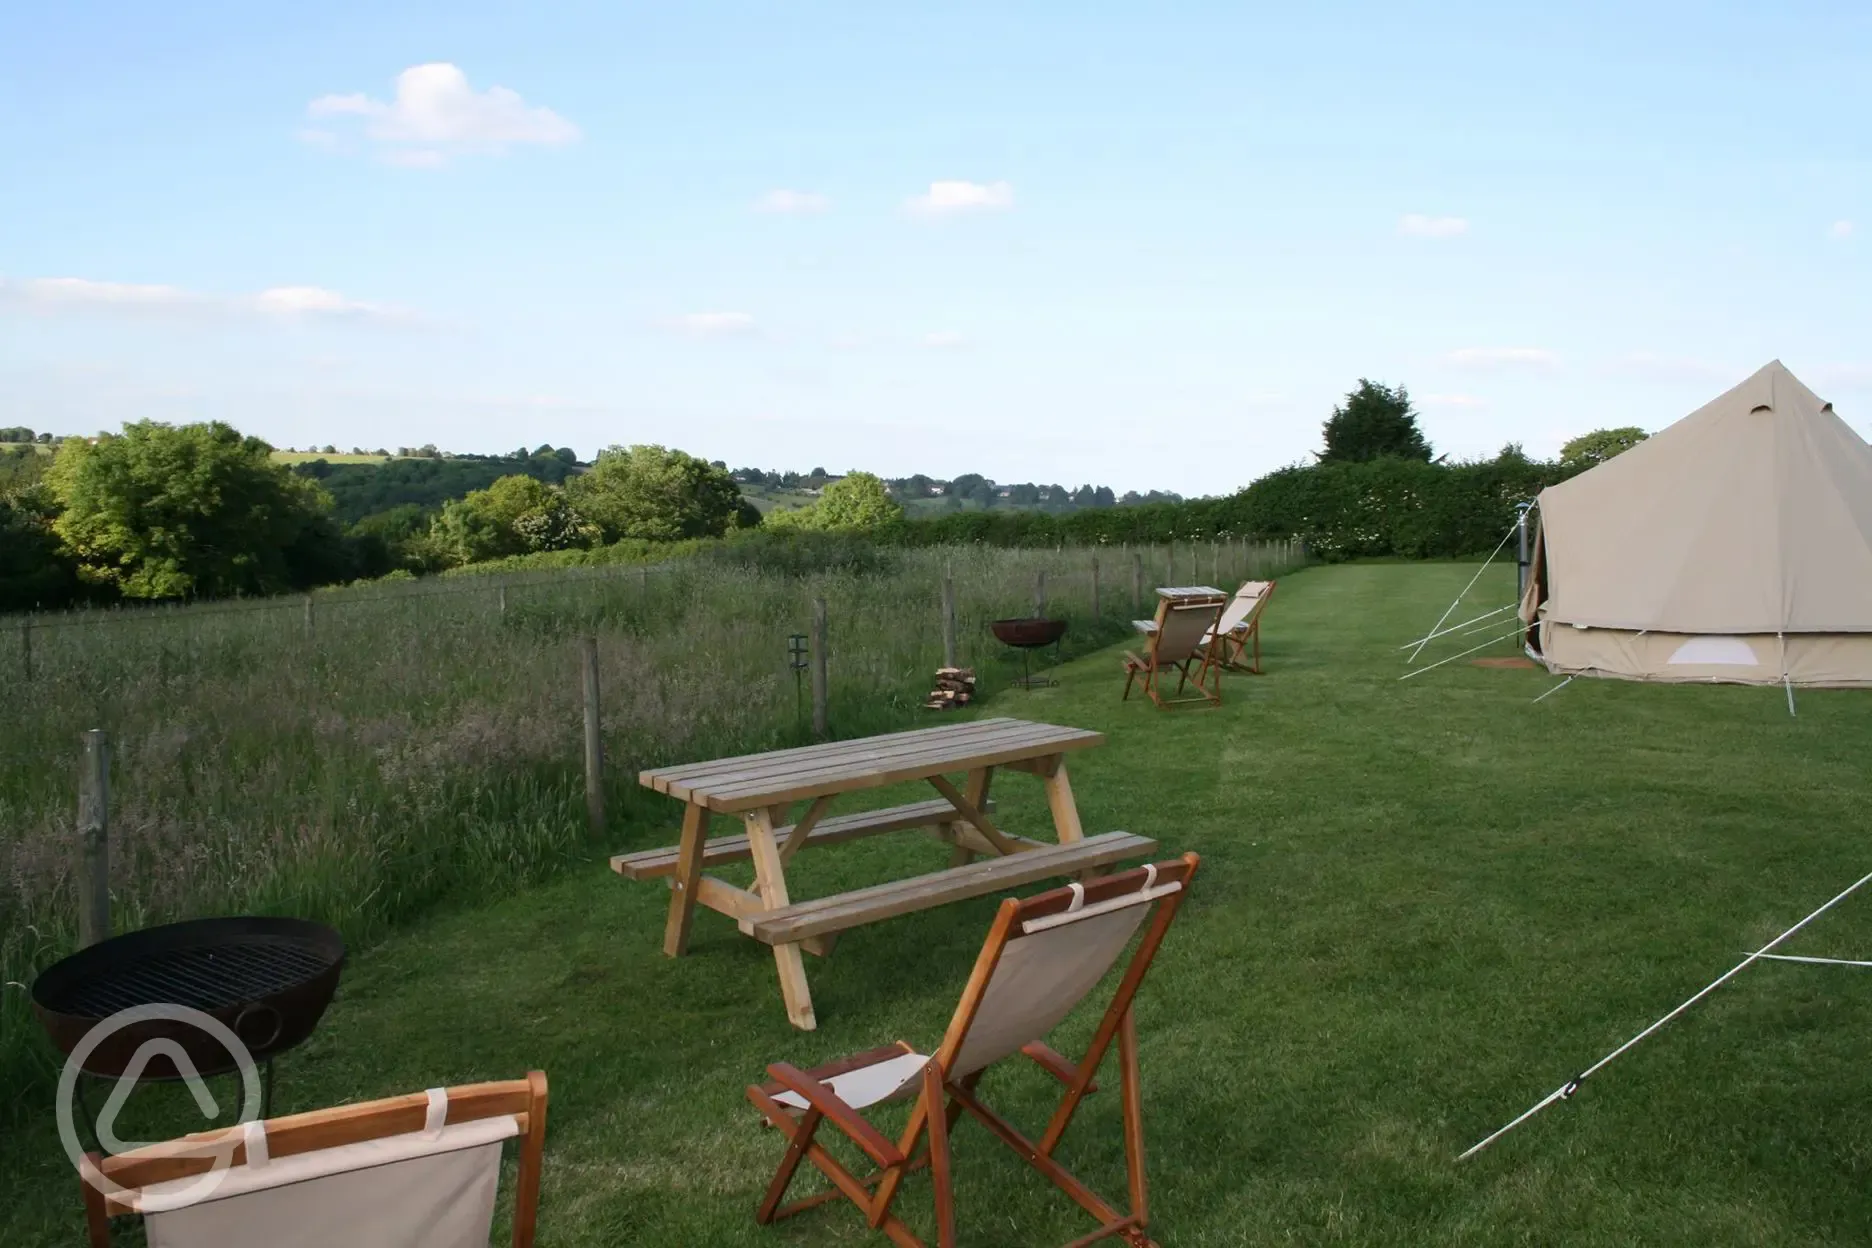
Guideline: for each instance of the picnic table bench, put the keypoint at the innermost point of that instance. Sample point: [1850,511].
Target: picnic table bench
[762,788]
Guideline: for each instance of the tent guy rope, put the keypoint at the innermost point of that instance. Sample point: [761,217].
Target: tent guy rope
[1457,628]
[1493,641]
[1512,529]
[1572,1085]
[1556,689]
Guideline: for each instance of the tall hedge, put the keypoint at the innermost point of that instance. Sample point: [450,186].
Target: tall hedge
[1401,507]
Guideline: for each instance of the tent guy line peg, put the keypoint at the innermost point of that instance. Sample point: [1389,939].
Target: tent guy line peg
[1567,1089]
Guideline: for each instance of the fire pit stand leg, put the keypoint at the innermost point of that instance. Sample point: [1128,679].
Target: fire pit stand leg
[86,1122]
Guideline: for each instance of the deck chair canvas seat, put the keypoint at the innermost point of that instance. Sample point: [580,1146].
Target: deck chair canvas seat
[1043,956]
[419,1171]
[1238,632]
[1178,641]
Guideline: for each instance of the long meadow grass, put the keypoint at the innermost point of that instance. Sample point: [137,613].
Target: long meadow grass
[383,749]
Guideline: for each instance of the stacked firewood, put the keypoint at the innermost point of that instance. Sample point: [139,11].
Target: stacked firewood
[955,686]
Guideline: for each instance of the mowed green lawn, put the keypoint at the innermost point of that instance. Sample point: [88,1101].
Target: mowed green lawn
[1422,906]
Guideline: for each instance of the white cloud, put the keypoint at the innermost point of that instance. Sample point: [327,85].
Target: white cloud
[943,339]
[947,198]
[1656,367]
[311,301]
[436,108]
[79,291]
[1417,225]
[1503,357]
[52,294]
[1840,229]
[712,324]
[783,201]
[1451,400]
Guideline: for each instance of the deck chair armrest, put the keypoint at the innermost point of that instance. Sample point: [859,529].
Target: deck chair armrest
[841,1115]
[1055,1064]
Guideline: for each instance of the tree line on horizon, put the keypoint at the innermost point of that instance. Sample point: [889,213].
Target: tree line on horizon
[970,489]
[200,511]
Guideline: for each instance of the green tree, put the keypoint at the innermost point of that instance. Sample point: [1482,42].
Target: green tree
[34,571]
[858,501]
[747,516]
[655,494]
[855,503]
[161,511]
[516,515]
[21,467]
[1591,449]
[1374,422]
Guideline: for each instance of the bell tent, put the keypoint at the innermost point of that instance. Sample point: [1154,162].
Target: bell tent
[1735,545]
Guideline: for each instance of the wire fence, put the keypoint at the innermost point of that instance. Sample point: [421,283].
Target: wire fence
[355,759]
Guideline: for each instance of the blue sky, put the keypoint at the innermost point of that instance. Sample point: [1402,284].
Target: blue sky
[1147,246]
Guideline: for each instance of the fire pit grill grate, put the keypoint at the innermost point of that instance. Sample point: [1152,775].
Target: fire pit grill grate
[268,980]
[202,977]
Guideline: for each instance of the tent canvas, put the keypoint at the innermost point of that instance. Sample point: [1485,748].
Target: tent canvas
[1735,545]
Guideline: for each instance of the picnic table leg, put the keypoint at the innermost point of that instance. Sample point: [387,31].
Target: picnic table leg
[1060,801]
[770,882]
[683,886]
[976,790]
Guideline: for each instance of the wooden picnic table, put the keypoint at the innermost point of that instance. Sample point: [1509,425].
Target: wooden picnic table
[761,788]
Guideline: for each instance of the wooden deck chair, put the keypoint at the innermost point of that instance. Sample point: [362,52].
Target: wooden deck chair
[1176,642]
[416,1171]
[1042,957]
[1239,629]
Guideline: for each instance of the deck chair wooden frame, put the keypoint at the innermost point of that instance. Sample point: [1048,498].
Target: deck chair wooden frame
[1179,642]
[524,1099]
[1237,640]
[944,1087]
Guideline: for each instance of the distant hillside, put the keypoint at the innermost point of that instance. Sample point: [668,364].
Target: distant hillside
[925,497]
[330,457]
[366,486]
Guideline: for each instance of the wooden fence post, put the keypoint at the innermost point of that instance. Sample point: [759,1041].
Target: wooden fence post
[1040,594]
[819,669]
[94,923]
[500,599]
[1095,587]
[948,619]
[26,648]
[308,615]
[1215,563]
[1170,563]
[594,740]
[1137,582]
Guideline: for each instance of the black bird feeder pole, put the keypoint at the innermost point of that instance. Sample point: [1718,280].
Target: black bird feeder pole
[796,659]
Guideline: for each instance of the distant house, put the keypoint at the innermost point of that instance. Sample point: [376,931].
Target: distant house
[1003,492]
[936,489]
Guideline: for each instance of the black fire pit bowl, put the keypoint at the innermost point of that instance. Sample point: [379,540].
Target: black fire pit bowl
[267,979]
[1030,633]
